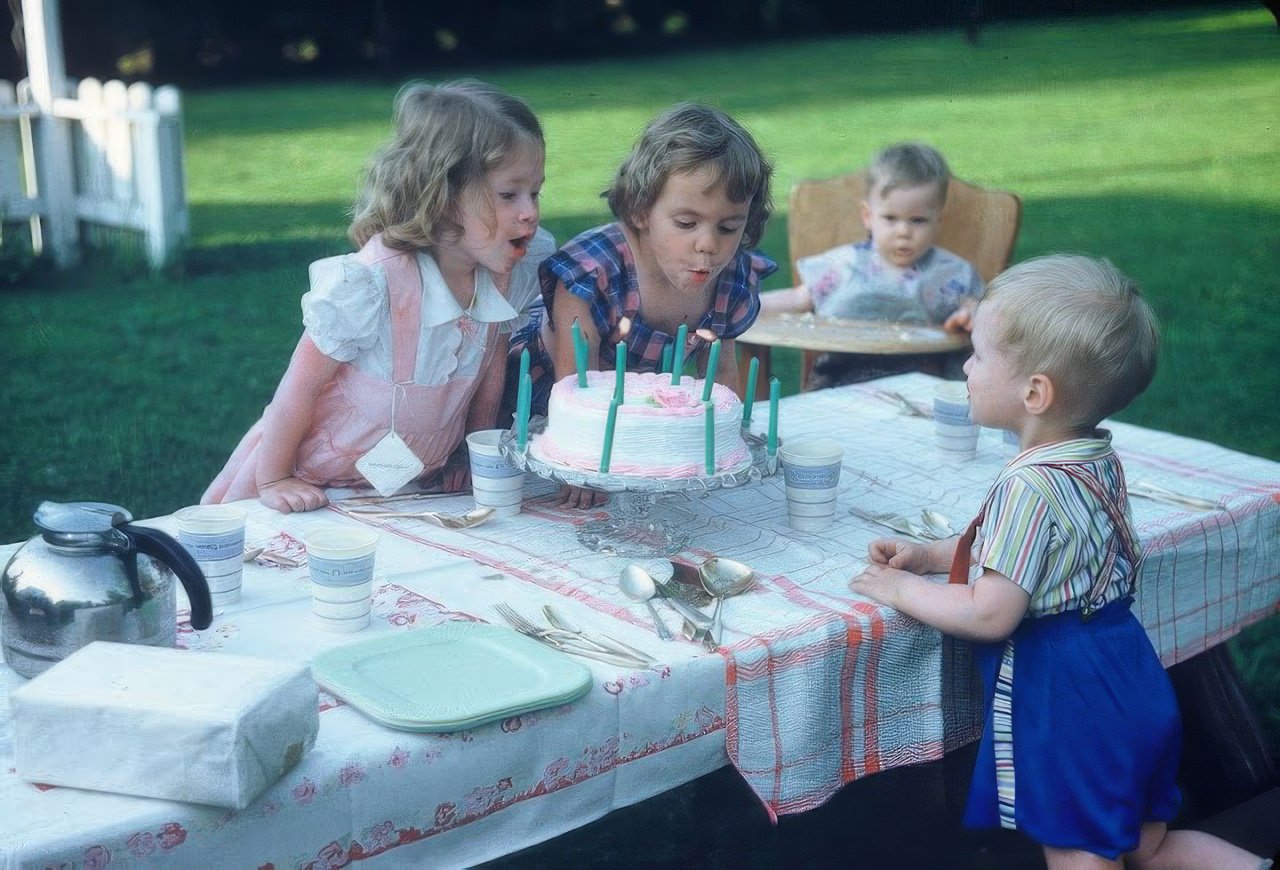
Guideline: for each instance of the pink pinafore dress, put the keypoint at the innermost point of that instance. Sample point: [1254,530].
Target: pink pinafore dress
[354,410]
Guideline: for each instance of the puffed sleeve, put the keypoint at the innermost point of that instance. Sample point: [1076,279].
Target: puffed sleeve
[345,307]
[524,292]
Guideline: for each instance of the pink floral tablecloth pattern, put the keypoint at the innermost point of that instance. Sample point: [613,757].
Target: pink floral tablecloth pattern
[813,687]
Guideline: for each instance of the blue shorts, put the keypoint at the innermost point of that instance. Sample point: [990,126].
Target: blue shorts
[1096,733]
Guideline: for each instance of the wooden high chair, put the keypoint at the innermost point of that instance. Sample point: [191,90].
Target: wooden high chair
[980,225]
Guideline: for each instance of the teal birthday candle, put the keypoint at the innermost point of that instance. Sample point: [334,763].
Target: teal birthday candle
[713,365]
[620,369]
[677,358]
[775,390]
[523,400]
[753,372]
[580,353]
[610,422]
[711,437]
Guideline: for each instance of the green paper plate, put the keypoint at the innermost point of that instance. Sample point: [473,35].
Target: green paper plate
[450,677]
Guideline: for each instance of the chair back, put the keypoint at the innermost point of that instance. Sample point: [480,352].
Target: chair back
[978,224]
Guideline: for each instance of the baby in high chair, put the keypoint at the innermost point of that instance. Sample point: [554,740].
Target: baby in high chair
[898,273]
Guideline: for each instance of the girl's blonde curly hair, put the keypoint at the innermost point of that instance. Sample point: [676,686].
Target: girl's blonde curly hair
[447,138]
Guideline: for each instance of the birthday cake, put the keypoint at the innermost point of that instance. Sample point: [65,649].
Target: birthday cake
[660,430]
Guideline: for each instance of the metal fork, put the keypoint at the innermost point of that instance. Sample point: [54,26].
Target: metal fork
[565,641]
[525,625]
[559,633]
[608,642]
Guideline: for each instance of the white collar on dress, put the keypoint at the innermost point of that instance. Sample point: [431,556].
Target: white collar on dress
[439,305]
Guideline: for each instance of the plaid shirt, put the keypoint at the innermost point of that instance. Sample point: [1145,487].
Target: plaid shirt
[598,266]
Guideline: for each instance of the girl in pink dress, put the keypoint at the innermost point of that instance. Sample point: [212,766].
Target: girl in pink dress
[405,341]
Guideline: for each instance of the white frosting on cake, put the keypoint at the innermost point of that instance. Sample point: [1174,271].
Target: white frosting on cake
[660,430]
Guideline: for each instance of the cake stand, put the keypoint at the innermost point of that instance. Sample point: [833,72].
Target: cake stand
[640,521]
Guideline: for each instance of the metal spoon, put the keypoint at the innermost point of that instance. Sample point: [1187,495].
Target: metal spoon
[722,578]
[637,584]
[694,634]
[670,594]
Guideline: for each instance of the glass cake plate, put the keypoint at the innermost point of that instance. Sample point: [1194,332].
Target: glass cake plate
[640,522]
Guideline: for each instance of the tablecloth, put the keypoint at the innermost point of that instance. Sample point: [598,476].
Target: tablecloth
[813,686]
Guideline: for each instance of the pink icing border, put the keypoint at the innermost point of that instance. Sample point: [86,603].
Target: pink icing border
[557,456]
[638,388]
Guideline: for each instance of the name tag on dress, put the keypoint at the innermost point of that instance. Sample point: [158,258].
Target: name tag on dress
[389,465]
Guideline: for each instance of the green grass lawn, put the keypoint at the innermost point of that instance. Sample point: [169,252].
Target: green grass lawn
[1151,140]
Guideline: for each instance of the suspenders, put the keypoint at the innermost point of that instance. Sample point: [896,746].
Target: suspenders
[1122,541]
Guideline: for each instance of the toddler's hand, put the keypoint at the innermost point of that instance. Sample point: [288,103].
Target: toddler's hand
[292,495]
[961,320]
[878,582]
[897,553]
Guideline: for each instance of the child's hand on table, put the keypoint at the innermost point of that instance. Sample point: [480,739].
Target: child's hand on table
[894,560]
[897,553]
[879,583]
[961,320]
[580,497]
[291,495]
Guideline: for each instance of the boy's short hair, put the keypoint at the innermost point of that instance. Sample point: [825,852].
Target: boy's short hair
[685,138]
[907,164]
[1083,323]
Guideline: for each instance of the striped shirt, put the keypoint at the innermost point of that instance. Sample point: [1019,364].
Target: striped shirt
[1049,532]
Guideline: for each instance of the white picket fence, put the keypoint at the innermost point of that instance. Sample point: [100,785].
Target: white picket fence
[110,157]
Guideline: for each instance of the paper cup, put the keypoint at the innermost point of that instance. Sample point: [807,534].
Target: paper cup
[954,432]
[342,602]
[340,563]
[812,473]
[951,403]
[956,442]
[330,612]
[342,626]
[214,536]
[495,482]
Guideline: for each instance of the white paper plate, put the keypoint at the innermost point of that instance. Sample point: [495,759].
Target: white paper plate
[450,677]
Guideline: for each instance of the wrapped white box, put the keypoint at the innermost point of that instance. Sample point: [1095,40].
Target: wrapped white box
[159,722]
